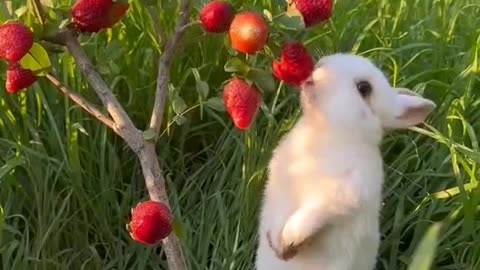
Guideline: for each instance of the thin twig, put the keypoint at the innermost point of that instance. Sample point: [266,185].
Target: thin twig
[82,102]
[164,65]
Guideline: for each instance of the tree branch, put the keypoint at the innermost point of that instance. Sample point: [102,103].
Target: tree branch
[164,65]
[144,149]
[123,123]
[87,106]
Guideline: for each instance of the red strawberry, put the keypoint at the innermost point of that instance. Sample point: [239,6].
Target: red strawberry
[15,41]
[18,78]
[117,12]
[242,102]
[151,222]
[216,16]
[95,15]
[248,32]
[313,11]
[295,65]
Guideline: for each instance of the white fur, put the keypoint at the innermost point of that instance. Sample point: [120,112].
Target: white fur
[326,175]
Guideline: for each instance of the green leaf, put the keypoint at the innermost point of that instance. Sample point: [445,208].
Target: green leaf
[19,12]
[425,252]
[236,64]
[149,135]
[262,79]
[36,60]
[80,128]
[268,15]
[180,119]
[178,104]
[291,20]
[202,89]
[9,166]
[2,222]
[196,74]
[216,103]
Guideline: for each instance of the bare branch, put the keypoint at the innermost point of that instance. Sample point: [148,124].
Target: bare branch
[164,65]
[123,123]
[85,104]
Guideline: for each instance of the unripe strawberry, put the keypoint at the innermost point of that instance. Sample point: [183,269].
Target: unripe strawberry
[313,11]
[248,32]
[95,15]
[216,16]
[242,102]
[295,65]
[151,222]
[18,78]
[15,41]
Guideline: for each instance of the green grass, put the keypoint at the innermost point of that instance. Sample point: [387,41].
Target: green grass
[67,183]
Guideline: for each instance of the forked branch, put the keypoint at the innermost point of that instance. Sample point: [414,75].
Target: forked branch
[121,123]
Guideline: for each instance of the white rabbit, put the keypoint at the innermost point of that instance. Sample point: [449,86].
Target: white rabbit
[323,196]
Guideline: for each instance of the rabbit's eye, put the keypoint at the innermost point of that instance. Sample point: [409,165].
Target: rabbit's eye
[309,82]
[364,88]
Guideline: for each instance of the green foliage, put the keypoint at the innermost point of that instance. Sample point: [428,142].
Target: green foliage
[67,183]
[36,60]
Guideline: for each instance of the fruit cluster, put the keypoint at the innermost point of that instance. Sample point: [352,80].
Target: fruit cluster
[249,33]
[16,41]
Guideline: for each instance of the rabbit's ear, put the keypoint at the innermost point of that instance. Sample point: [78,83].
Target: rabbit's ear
[410,109]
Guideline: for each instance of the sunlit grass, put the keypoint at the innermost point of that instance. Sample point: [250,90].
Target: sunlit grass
[67,183]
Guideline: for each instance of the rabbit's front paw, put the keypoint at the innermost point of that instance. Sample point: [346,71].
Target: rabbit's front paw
[287,247]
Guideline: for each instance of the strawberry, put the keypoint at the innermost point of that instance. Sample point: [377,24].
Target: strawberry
[18,78]
[117,12]
[295,65]
[242,102]
[151,222]
[313,11]
[95,15]
[248,32]
[15,41]
[216,17]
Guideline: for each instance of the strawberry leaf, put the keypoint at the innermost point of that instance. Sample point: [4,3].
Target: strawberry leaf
[216,103]
[179,105]
[291,20]
[262,79]
[149,135]
[180,119]
[202,87]
[236,64]
[36,60]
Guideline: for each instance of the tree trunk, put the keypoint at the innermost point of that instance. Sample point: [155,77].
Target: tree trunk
[156,189]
